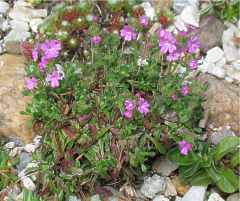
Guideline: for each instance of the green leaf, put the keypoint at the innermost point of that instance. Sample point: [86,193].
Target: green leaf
[225,179]
[189,171]
[201,178]
[235,159]
[181,160]
[227,145]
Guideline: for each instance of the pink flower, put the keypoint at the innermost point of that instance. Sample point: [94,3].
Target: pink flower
[31,83]
[185,90]
[185,147]
[96,40]
[54,78]
[128,114]
[51,49]
[174,97]
[193,64]
[143,106]
[144,21]
[128,33]
[129,105]
[193,44]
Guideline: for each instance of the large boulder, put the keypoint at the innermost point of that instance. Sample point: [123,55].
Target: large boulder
[222,103]
[12,102]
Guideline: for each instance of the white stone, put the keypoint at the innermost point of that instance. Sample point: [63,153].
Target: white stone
[40,13]
[231,52]
[28,183]
[73,198]
[34,23]
[215,197]
[153,185]
[217,71]
[15,151]
[229,79]
[204,66]
[149,10]
[9,145]
[21,14]
[236,65]
[221,62]
[196,193]
[4,6]
[19,25]
[5,25]
[30,148]
[179,24]
[160,198]
[233,73]
[170,188]
[178,198]
[17,36]
[214,55]
[179,5]
[191,16]
[95,198]
[234,197]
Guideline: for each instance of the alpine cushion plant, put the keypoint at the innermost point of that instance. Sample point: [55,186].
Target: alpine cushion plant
[104,111]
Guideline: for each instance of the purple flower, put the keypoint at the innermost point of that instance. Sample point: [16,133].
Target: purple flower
[54,79]
[129,105]
[35,52]
[193,44]
[42,64]
[193,64]
[128,114]
[167,42]
[144,21]
[167,46]
[31,83]
[143,106]
[185,90]
[128,33]
[185,147]
[51,49]
[96,40]
[173,56]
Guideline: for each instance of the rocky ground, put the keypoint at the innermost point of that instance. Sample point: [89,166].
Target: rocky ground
[220,68]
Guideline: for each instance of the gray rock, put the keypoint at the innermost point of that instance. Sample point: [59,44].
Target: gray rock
[215,197]
[4,6]
[164,166]
[170,188]
[216,137]
[73,198]
[25,158]
[179,5]
[232,72]
[209,37]
[160,198]
[234,197]
[153,185]
[196,193]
